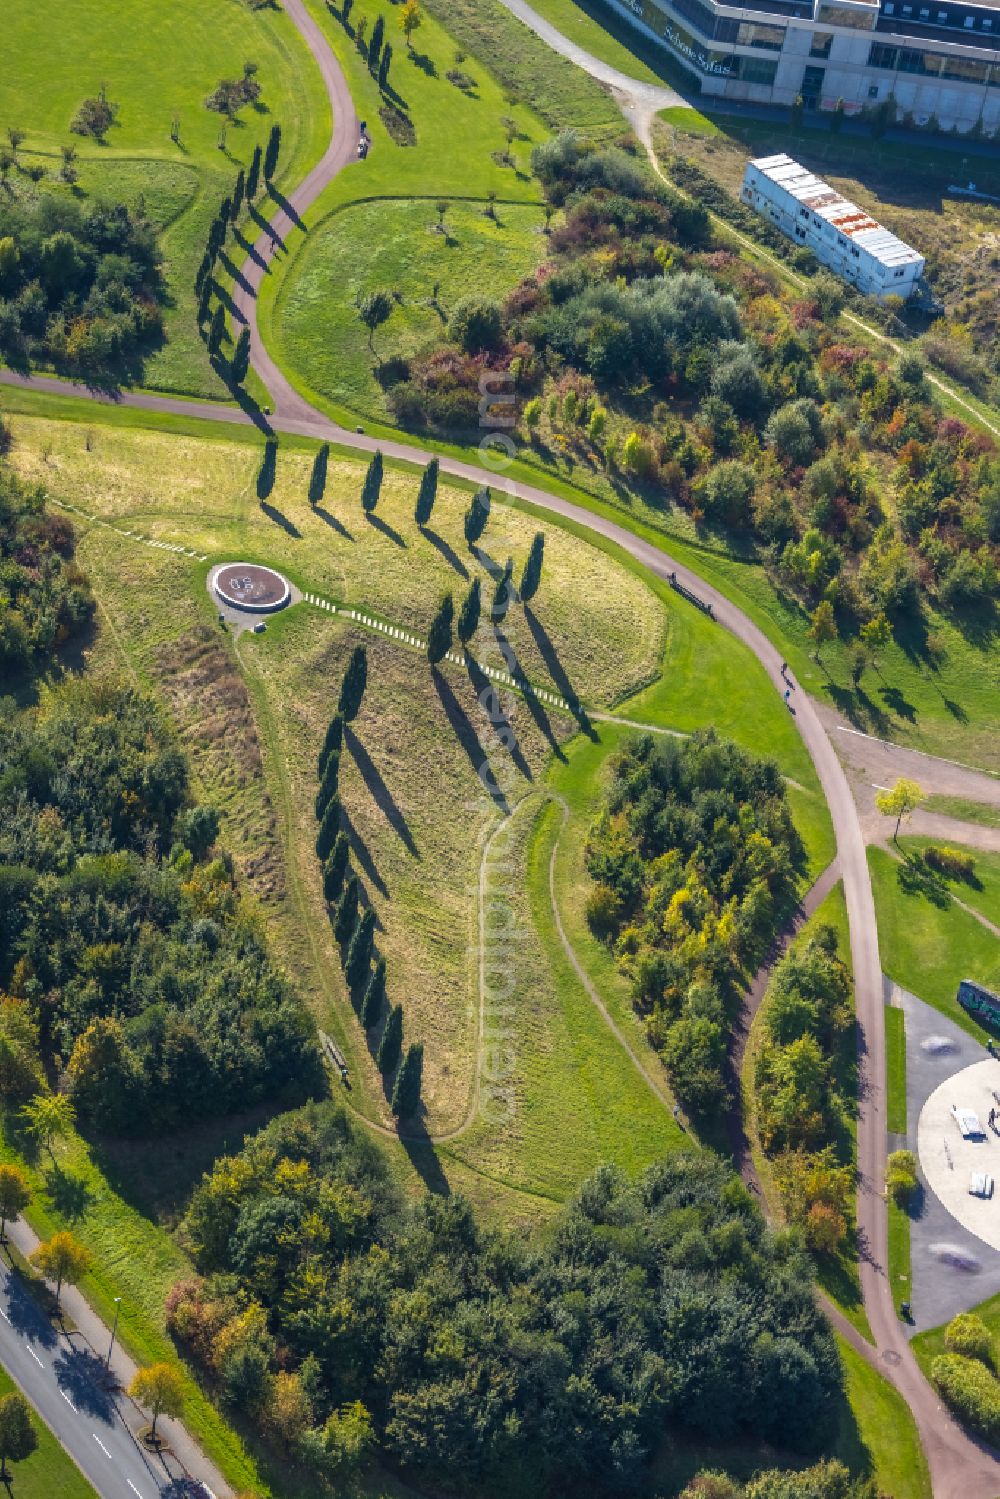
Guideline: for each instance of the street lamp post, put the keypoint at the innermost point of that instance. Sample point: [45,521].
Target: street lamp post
[107,1361]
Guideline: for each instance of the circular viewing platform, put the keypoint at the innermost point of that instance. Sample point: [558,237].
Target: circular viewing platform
[251,588]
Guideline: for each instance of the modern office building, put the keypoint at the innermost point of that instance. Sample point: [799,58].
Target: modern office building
[938,59]
[838,232]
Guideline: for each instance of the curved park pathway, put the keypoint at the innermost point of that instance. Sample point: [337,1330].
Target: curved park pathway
[959,1468]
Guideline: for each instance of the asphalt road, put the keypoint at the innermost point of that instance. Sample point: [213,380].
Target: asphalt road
[960,1468]
[61,1376]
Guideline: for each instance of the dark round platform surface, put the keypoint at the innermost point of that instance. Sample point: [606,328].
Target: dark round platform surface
[245,585]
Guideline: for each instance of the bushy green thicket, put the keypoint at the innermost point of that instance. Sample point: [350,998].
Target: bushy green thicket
[44,597]
[692,857]
[79,285]
[969,1389]
[121,936]
[489,1365]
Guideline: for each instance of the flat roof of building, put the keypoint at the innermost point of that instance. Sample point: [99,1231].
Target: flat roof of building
[826,203]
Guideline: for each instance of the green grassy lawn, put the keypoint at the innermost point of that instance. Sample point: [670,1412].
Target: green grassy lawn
[965,810]
[607,35]
[926,946]
[895,1083]
[49,1470]
[885,1430]
[163,64]
[405,253]
[982,891]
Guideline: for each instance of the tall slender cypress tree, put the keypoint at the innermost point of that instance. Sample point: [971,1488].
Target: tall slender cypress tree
[352,689]
[328,828]
[477,515]
[359,952]
[271,152]
[427,493]
[532,575]
[439,634]
[406,1090]
[328,782]
[253,175]
[468,619]
[333,741]
[374,1001]
[391,1044]
[372,486]
[335,868]
[347,911]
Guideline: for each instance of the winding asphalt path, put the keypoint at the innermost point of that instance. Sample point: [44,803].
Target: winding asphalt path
[960,1469]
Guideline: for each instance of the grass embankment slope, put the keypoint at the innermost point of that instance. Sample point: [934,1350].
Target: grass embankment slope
[162,65]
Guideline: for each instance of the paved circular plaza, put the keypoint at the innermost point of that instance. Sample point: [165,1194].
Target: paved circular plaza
[247,586]
[949,1159]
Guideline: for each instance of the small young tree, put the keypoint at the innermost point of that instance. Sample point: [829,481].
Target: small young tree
[161,1388]
[329,828]
[406,1089]
[468,618]
[374,1001]
[374,309]
[905,797]
[876,635]
[62,1259]
[271,152]
[49,1117]
[317,478]
[409,20]
[837,118]
[333,741]
[823,627]
[15,1194]
[427,493]
[391,1043]
[502,591]
[532,575]
[346,916]
[372,487]
[352,688]
[18,1438]
[477,515]
[15,136]
[335,868]
[359,952]
[253,175]
[439,634]
[383,66]
[240,366]
[217,330]
[328,782]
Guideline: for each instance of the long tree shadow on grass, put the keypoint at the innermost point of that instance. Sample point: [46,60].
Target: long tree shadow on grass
[423,1158]
[331,520]
[380,793]
[251,251]
[362,853]
[469,740]
[70,1195]
[266,228]
[285,203]
[384,527]
[448,553]
[280,519]
[555,669]
[488,694]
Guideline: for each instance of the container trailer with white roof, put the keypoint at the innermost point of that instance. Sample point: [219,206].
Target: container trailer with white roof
[839,233]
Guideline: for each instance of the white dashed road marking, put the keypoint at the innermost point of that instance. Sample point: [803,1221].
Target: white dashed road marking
[133,1487]
[68,1402]
[34,1355]
[100,1444]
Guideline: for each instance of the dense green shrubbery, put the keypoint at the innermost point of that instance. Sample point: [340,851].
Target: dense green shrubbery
[692,858]
[807,1020]
[953,862]
[44,597]
[969,1336]
[79,286]
[126,943]
[488,1365]
[829,1480]
[971,1391]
